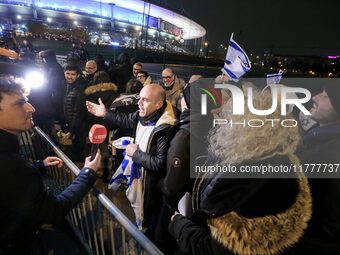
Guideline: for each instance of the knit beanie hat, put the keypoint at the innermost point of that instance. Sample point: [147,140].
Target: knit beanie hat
[333,92]
[193,93]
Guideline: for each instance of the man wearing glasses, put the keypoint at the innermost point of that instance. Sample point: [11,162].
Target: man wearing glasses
[144,78]
[173,87]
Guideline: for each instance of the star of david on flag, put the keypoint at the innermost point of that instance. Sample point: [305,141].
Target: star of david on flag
[236,61]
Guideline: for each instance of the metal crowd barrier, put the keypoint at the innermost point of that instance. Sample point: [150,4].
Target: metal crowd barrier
[101,227]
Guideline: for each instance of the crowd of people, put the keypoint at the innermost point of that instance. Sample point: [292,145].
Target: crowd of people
[295,215]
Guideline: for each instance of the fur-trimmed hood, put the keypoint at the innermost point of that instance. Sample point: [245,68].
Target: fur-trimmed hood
[148,81]
[101,87]
[168,117]
[270,234]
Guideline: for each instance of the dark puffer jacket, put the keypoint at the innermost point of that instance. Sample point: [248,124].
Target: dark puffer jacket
[75,106]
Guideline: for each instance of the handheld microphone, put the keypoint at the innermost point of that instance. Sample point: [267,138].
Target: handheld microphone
[97,135]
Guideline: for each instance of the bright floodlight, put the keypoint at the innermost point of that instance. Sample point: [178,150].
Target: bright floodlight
[115,43]
[34,80]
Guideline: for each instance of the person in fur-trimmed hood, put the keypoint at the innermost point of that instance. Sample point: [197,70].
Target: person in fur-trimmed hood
[103,88]
[243,215]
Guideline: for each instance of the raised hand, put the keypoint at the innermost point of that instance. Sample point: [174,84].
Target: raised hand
[98,110]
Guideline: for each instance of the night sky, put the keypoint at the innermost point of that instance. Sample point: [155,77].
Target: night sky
[308,25]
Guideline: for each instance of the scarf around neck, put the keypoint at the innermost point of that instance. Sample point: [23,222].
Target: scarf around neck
[152,118]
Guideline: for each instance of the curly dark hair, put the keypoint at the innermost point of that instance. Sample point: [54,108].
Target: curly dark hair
[8,87]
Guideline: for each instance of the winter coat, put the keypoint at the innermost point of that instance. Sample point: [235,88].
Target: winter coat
[322,146]
[176,181]
[75,106]
[154,159]
[25,203]
[245,216]
[107,92]
[174,94]
[148,81]
[48,100]
[88,78]
[188,144]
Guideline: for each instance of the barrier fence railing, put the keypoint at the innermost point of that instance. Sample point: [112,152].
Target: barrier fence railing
[99,224]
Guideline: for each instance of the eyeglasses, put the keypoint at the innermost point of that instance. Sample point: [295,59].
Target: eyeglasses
[167,77]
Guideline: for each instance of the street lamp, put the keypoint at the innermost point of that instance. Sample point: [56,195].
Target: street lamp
[206,56]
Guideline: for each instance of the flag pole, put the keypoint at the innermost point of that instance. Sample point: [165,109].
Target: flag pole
[231,37]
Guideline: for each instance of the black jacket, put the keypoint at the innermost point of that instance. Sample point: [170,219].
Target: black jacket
[189,144]
[25,203]
[154,159]
[75,106]
[322,146]
[48,100]
[237,216]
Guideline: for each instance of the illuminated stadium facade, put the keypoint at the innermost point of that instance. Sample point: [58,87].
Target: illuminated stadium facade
[141,20]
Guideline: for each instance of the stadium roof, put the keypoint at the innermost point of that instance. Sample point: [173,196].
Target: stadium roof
[191,29]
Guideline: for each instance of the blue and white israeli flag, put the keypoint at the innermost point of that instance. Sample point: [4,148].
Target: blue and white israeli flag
[236,61]
[274,78]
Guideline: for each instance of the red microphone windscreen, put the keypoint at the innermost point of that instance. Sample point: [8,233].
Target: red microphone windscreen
[97,134]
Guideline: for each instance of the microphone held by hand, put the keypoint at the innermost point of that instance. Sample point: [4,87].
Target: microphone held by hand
[97,135]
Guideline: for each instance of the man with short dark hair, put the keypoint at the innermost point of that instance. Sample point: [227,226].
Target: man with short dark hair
[75,110]
[25,203]
[152,127]
[137,67]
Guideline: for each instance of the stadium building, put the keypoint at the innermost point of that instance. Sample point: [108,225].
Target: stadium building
[118,22]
